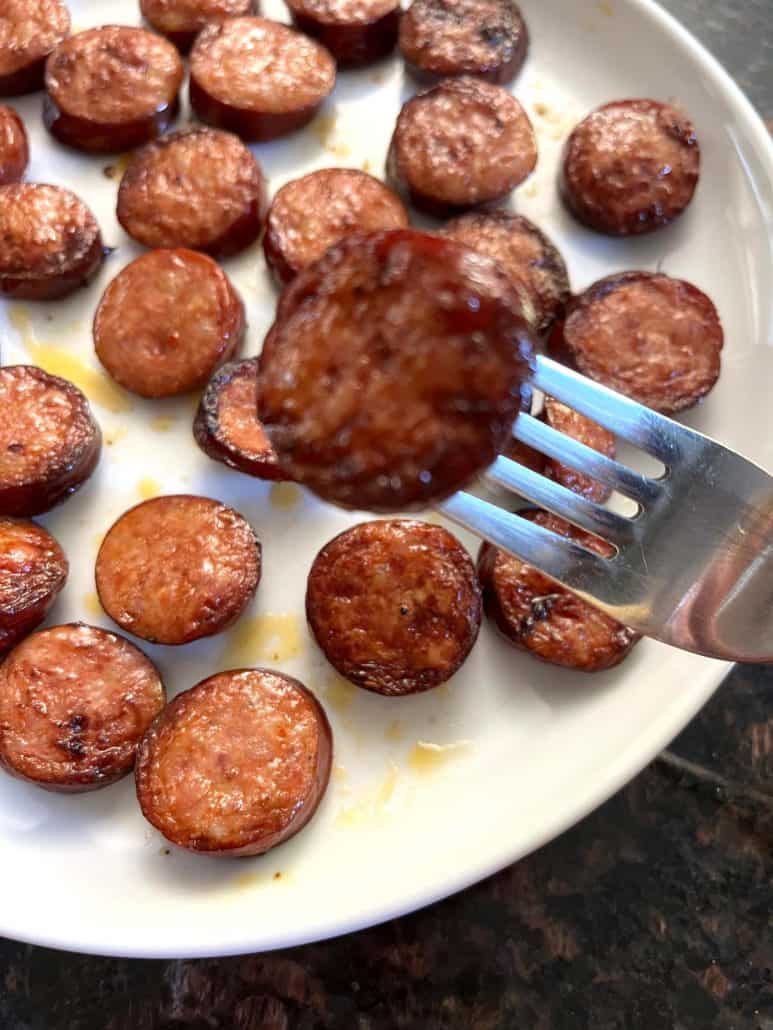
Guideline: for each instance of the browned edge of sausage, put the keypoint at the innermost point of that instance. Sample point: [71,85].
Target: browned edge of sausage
[106,139]
[33,570]
[29,77]
[45,455]
[538,615]
[75,701]
[226,426]
[254,805]
[353,44]
[184,39]
[14,147]
[394,605]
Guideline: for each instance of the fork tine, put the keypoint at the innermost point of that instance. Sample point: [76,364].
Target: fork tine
[544,438]
[556,498]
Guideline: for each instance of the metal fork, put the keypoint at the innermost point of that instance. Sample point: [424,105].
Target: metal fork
[693,567]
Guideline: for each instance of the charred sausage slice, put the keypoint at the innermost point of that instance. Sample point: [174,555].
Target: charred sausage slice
[49,441]
[182,20]
[542,617]
[310,214]
[74,704]
[579,427]
[177,568]
[395,605]
[227,427]
[258,78]
[29,31]
[14,148]
[112,89]
[393,373]
[462,143]
[200,189]
[356,32]
[237,765]
[631,167]
[51,242]
[33,570]
[166,322]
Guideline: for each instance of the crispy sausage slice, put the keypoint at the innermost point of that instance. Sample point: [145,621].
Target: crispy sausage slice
[14,147]
[177,568]
[49,441]
[167,321]
[542,617]
[200,189]
[656,339]
[112,89]
[579,427]
[258,78]
[74,703]
[29,31]
[33,570]
[393,373]
[525,253]
[462,143]
[51,242]
[630,167]
[485,38]
[395,605]
[226,426]
[182,20]
[236,765]
[310,214]
[356,32]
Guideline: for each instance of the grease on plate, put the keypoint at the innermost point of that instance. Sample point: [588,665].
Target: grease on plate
[162,423]
[113,436]
[339,693]
[426,758]
[92,605]
[285,496]
[325,130]
[394,730]
[271,637]
[148,488]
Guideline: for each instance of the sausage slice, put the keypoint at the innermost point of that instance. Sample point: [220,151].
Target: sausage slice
[542,617]
[258,78]
[462,143]
[485,38]
[236,765]
[29,31]
[14,147]
[182,20]
[310,214]
[177,568]
[393,373]
[33,570]
[49,441]
[200,189]
[524,253]
[51,242]
[74,703]
[166,322]
[579,427]
[226,425]
[395,605]
[653,338]
[630,167]
[356,32]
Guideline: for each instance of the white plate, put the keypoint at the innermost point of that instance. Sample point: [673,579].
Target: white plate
[533,748]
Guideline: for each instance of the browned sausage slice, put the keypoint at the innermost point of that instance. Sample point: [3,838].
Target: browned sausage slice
[572,423]
[177,568]
[542,617]
[201,189]
[236,765]
[462,143]
[226,425]
[182,20]
[393,373]
[29,31]
[74,704]
[395,605]
[525,253]
[258,78]
[653,338]
[356,32]
[310,214]
[167,321]
[51,242]
[14,147]
[631,167]
[33,570]
[485,38]
[49,441]
[112,89]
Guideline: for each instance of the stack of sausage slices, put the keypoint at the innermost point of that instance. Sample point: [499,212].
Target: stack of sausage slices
[391,377]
